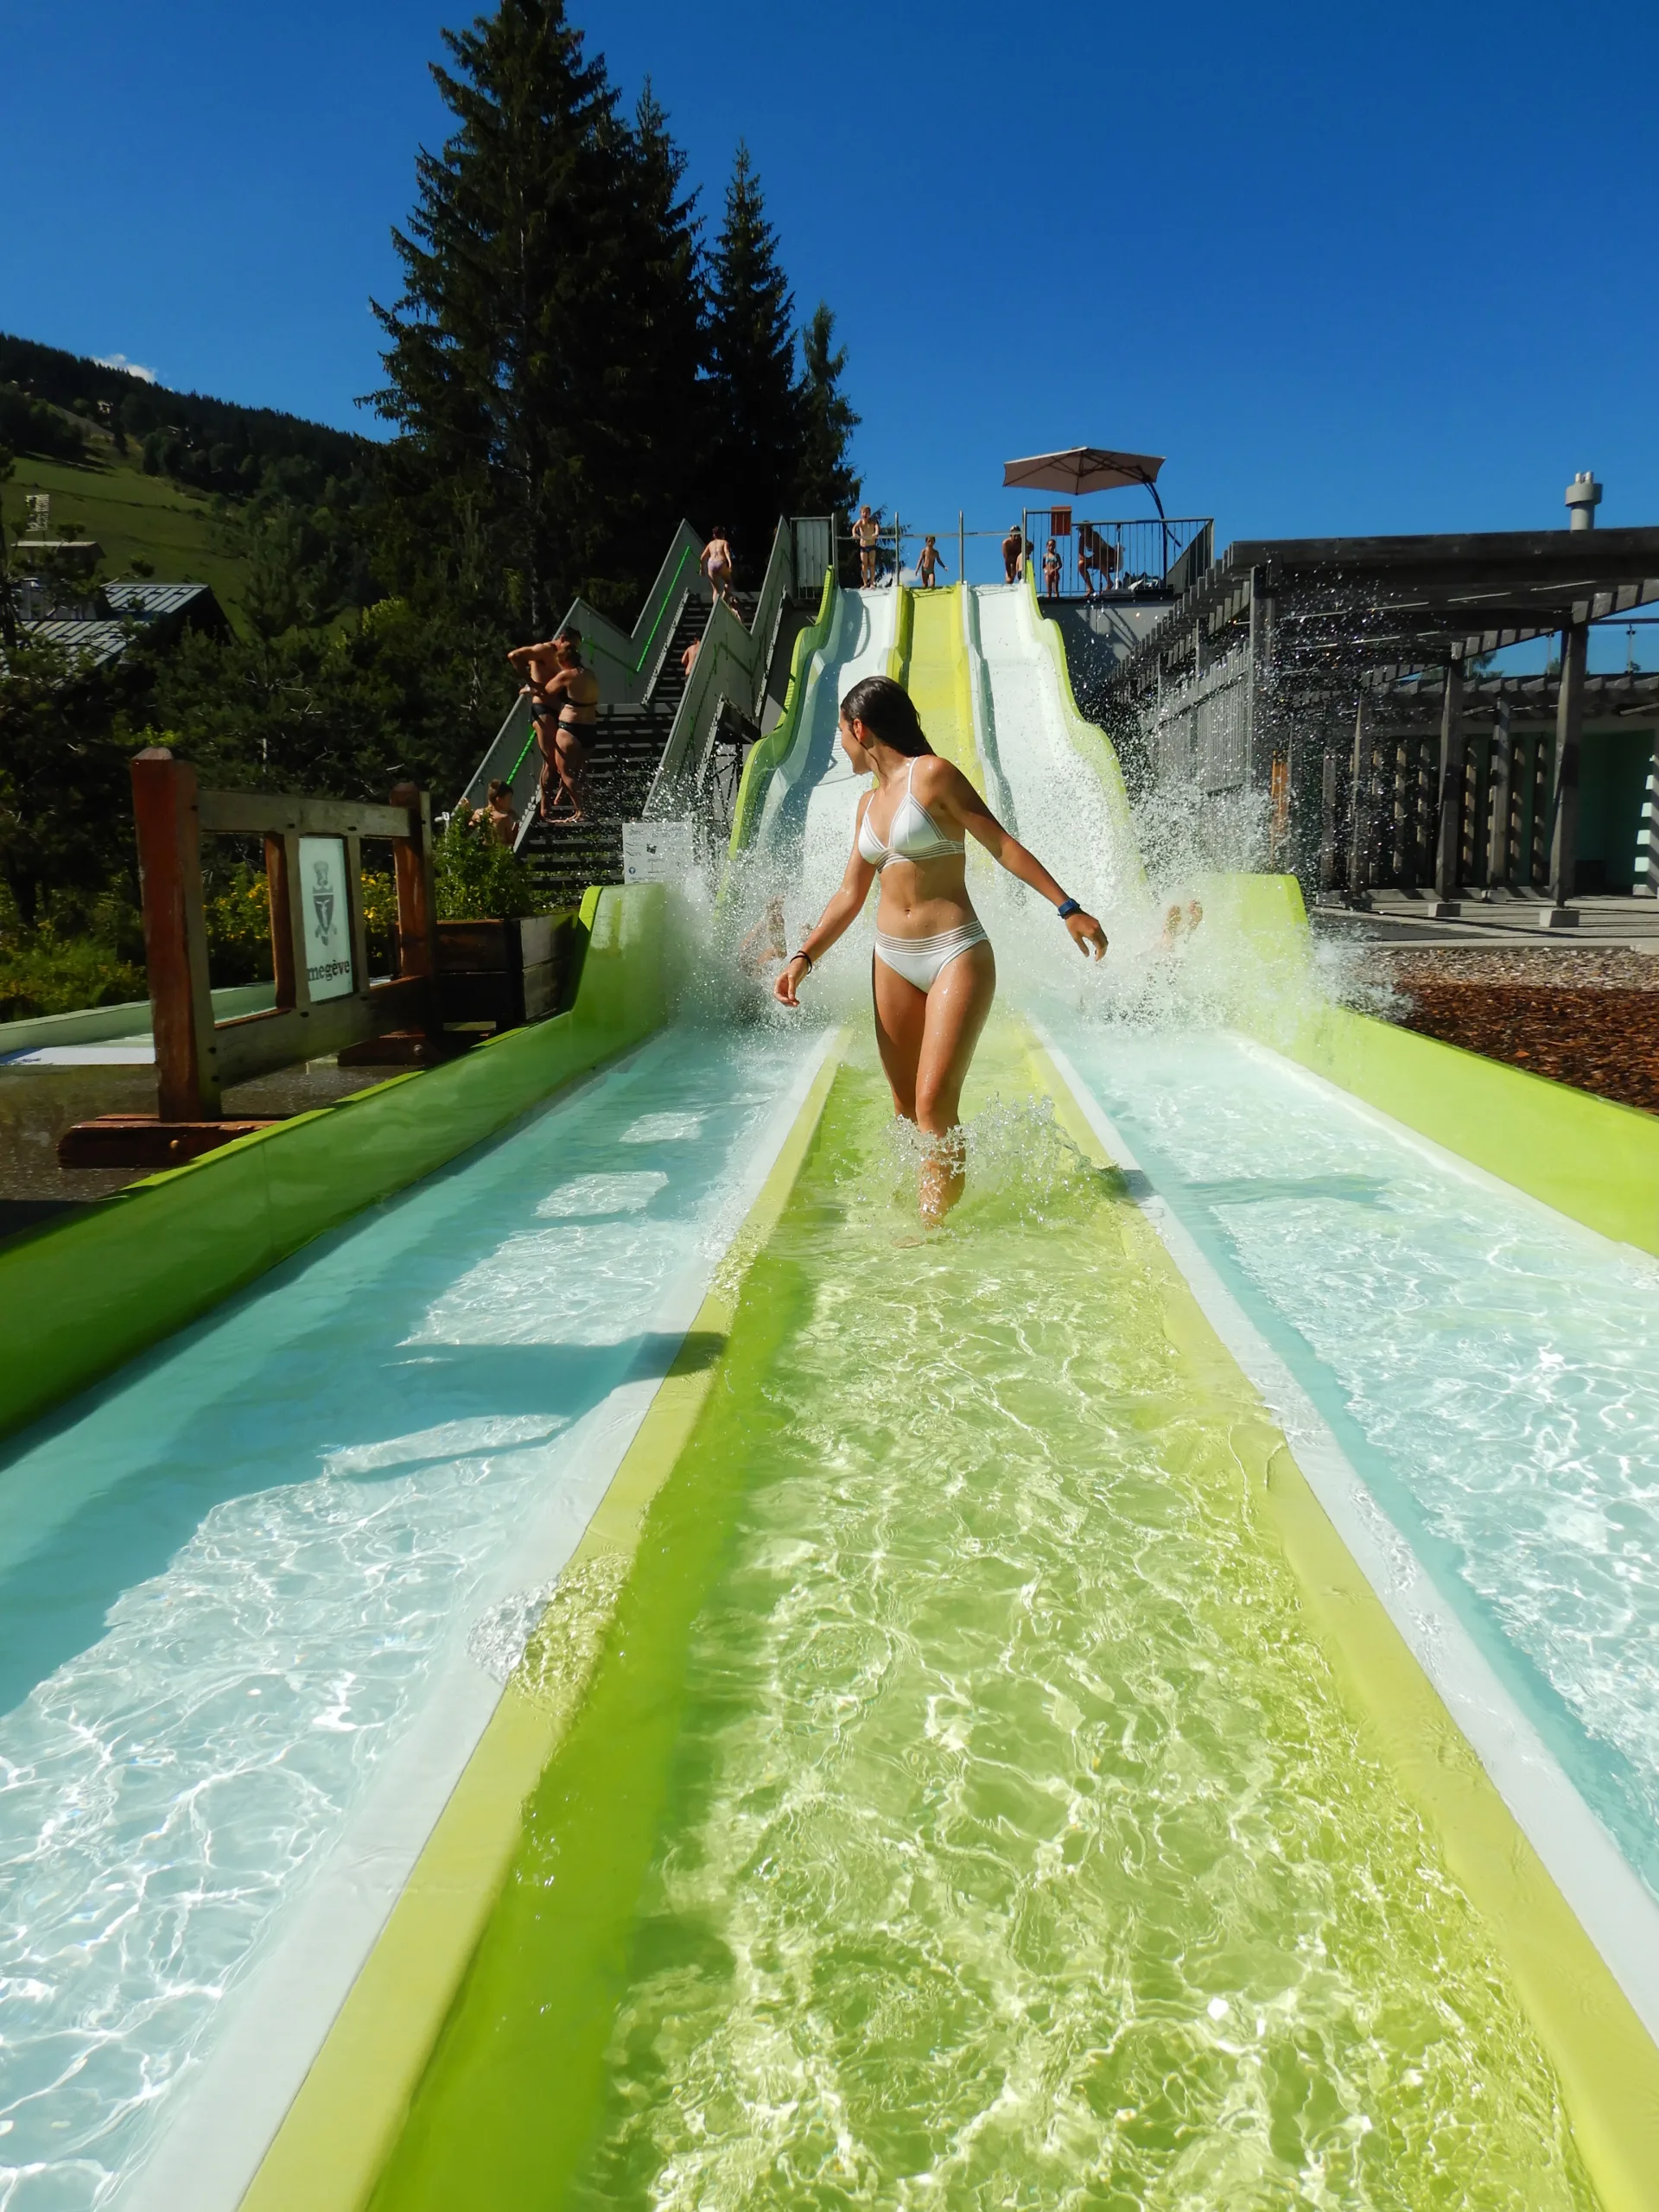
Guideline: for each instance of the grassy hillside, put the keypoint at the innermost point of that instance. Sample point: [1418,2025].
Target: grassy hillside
[134,515]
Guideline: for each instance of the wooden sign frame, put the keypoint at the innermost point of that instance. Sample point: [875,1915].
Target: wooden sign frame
[198,1059]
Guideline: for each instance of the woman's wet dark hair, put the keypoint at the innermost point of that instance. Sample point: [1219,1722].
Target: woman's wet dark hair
[888,712]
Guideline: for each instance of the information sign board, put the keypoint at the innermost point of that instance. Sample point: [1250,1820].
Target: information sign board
[656,852]
[327,915]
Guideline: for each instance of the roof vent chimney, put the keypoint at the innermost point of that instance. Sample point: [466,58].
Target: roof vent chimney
[1583,498]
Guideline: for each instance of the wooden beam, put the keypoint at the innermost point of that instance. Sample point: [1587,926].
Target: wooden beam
[258,814]
[255,1043]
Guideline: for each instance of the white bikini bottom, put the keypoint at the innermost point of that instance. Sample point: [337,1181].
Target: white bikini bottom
[919,959]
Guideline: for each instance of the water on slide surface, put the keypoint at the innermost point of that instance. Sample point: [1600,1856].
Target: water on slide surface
[963,1814]
[1492,1368]
[228,1579]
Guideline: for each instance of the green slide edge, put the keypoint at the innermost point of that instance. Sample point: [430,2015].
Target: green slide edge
[775,745]
[1594,1161]
[343,2125]
[1604,2058]
[80,1296]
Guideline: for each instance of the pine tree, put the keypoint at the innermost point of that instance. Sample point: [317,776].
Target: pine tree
[825,483]
[758,419]
[650,471]
[539,333]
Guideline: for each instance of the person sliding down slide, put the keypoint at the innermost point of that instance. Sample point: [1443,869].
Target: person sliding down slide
[934,974]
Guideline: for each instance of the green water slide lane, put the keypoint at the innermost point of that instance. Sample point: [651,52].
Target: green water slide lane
[82,1296]
[991,1777]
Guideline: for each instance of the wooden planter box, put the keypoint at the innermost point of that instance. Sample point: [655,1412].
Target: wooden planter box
[506,972]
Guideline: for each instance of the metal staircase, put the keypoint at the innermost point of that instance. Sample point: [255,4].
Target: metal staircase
[565,857]
[664,743]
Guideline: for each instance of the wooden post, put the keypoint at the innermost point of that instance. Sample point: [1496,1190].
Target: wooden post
[1426,815]
[1400,851]
[1448,842]
[417,898]
[1499,799]
[1328,820]
[1359,826]
[176,936]
[288,957]
[356,922]
[1564,794]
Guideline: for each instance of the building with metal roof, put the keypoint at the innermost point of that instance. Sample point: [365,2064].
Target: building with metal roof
[99,629]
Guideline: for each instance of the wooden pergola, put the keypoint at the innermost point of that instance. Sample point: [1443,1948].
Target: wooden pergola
[1296,666]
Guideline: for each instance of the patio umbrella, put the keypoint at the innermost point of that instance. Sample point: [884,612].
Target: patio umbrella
[1085,468]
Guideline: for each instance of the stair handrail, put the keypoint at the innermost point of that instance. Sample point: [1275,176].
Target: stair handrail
[731,658]
[775,745]
[626,662]
[620,659]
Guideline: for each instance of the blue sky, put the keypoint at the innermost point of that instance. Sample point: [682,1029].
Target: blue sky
[1355,268]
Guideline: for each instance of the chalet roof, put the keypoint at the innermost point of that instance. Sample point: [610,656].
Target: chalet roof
[149,600]
[95,639]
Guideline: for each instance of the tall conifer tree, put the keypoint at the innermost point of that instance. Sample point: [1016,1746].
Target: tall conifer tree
[536,338]
[755,397]
[656,400]
[825,483]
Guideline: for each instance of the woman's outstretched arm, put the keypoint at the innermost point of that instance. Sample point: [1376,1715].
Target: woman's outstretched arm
[837,918]
[1020,860]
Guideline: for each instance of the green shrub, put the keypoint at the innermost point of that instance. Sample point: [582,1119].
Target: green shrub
[480,879]
[43,974]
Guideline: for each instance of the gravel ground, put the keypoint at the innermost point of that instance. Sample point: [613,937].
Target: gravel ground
[1587,1017]
[1554,967]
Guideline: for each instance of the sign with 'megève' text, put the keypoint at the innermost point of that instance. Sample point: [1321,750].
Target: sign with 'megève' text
[327,915]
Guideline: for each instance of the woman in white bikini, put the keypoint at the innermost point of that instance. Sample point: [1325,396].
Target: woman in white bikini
[934,975]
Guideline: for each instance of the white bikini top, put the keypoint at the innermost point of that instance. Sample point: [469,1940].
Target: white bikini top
[915,835]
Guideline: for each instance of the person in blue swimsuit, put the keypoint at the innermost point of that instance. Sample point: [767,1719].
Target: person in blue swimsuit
[934,975]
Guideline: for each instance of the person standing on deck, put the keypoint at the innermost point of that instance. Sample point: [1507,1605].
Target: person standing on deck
[867,534]
[1013,546]
[1051,570]
[934,976]
[927,561]
[564,697]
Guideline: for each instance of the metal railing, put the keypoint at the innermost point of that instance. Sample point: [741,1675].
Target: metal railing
[1100,557]
[733,662]
[625,662]
[1103,557]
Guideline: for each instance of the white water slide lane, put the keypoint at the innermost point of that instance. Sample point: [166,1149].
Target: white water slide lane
[1054,799]
[806,822]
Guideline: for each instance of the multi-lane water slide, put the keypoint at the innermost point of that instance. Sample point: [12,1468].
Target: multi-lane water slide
[1144,1697]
